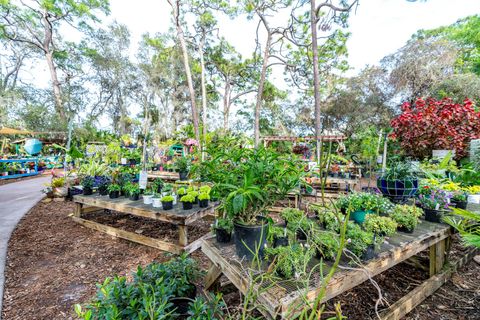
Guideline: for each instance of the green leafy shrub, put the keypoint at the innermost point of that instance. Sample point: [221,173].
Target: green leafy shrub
[114,187]
[406,216]
[290,261]
[187,198]
[292,215]
[224,223]
[182,191]
[326,243]
[380,225]
[203,196]
[358,240]
[205,189]
[167,198]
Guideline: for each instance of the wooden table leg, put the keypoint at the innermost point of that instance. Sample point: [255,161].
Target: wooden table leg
[78,210]
[437,257]
[182,235]
[213,274]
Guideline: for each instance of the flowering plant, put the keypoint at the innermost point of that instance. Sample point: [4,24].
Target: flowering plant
[191,142]
[436,200]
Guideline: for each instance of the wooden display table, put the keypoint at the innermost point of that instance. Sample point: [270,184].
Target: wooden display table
[164,175]
[283,298]
[177,216]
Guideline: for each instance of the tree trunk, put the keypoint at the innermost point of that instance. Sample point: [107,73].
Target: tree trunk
[204,93]
[316,77]
[57,91]
[226,105]
[176,15]
[261,84]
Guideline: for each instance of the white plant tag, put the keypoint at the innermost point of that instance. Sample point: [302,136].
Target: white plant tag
[123,161]
[142,180]
[437,206]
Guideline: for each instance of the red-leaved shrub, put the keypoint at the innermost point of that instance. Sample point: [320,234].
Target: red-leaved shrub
[436,124]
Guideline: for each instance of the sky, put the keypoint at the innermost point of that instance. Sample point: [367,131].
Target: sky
[378,27]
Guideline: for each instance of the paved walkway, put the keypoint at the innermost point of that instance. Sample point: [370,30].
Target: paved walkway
[16,199]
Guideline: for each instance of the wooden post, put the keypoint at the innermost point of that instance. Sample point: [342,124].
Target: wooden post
[182,235]
[437,257]
[213,274]
[78,210]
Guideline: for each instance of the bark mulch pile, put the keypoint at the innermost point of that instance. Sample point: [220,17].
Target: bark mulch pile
[54,263]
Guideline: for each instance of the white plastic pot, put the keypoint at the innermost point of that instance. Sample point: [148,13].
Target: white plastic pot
[474,198]
[157,203]
[147,199]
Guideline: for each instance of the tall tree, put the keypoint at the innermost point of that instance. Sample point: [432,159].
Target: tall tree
[37,24]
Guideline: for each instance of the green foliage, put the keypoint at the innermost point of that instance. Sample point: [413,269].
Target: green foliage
[224,223]
[182,191]
[188,198]
[87,182]
[292,215]
[380,225]
[203,196]
[327,243]
[210,308]
[131,188]
[406,216]
[167,199]
[362,201]
[290,261]
[468,225]
[183,164]
[114,187]
[205,189]
[358,240]
[400,171]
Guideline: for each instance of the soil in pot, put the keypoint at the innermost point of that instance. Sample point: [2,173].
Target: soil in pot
[187,205]
[87,191]
[134,197]
[203,203]
[250,239]
[222,235]
[167,205]
[433,215]
[280,241]
[183,176]
[114,194]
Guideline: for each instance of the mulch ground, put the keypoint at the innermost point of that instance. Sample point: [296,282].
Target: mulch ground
[54,263]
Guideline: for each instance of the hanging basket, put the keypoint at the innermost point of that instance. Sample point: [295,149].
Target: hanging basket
[398,190]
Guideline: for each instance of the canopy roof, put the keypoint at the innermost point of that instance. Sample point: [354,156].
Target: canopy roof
[10,131]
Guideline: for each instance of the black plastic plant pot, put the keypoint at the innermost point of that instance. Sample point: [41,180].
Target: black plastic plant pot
[222,235]
[134,197]
[404,229]
[159,189]
[87,191]
[103,191]
[203,203]
[187,205]
[433,215]
[114,194]
[370,253]
[183,175]
[167,205]
[460,204]
[280,241]
[250,240]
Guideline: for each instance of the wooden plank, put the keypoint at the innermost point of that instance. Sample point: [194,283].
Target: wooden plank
[440,255]
[343,281]
[87,209]
[151,242]
[177,215]
[197,244]
[182,235]
[213,274]
[408,302]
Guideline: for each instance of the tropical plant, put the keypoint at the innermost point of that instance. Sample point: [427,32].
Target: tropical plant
[188,198]
[292,215]
[59,182]
[114,187]
[468,225]
[183,164]
[406,216]
[210,308]
[87,182]
[182,191]
[400,171]
[326,243]
[93,168]
[380,225]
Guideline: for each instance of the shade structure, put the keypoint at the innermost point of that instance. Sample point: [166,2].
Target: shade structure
[10,131]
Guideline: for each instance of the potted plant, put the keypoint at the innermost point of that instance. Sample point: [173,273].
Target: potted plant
[359,204]
[157,201]
[223,229]
[278,236]
[289,261]
[291,215]
[460,199]
[325,244]
[203,199]
[360,242]
[147,196]
[399,182]
[103,186]
[158,185]
[383,226]
[87,184]
[187,201]
[407,217]
[205,189]
[133,191]
[183,167]
[167,202]
[181,191]
[3,169]
[114,190]
[435,205]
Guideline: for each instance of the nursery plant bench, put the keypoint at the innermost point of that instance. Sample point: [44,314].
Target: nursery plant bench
[176,216]
[164,175]
[284,298]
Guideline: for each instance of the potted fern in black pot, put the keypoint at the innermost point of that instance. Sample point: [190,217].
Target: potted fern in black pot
[183,166]
[399,182]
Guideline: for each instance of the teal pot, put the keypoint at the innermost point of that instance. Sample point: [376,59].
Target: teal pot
[249,239]
[359,216]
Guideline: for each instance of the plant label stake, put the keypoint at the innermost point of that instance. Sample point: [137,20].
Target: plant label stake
[142,180]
